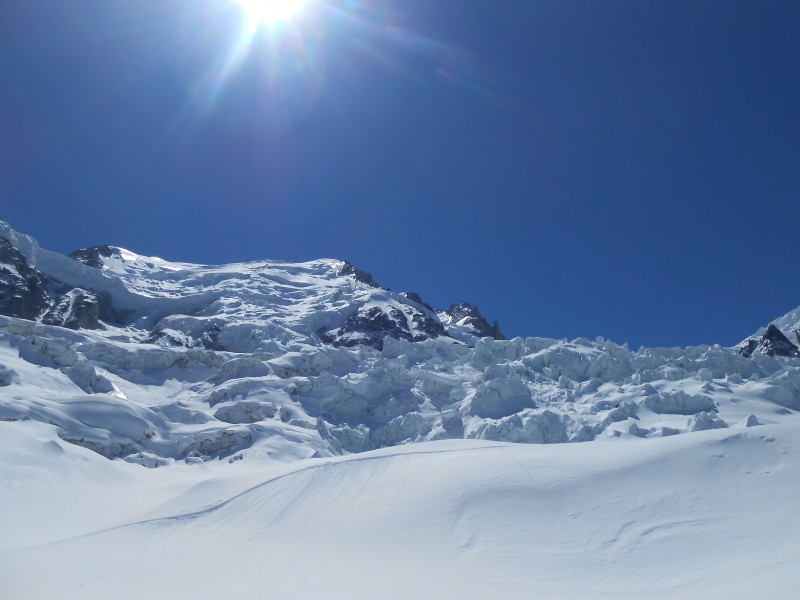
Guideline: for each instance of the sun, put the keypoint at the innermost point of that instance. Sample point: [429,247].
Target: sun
[269,12]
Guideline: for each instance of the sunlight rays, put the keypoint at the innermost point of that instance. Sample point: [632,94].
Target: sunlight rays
[269,12]
[276,64]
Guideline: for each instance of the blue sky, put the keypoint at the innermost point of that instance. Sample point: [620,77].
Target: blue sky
[619,168]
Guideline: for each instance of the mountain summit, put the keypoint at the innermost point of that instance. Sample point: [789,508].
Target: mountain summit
[248,307]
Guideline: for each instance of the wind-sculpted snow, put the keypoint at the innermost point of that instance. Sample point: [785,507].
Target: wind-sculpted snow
[154,361]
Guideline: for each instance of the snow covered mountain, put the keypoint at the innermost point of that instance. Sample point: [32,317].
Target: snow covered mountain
[152,361]
[317,430]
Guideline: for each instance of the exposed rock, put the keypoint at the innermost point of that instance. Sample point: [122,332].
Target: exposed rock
[427,324]
[23,289]
[26,293]
[749,347]
[369,326]
[349,269]
[465,313]
[93,257]
[79,309]
[414,297]
[772,343]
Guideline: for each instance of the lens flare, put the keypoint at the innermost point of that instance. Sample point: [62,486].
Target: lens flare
[269,12]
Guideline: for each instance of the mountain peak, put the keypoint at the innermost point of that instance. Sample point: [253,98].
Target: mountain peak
[243,307]
[465,313]
[772,343]
[93,256]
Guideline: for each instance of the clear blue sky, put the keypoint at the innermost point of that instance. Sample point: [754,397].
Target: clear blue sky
[629,169]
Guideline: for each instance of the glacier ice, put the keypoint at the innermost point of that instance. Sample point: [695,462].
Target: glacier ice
[140,358]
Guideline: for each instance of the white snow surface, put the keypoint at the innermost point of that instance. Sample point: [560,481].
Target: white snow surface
[286,467]
[705,515]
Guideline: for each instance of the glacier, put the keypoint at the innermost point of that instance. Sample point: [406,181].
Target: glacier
[165,401]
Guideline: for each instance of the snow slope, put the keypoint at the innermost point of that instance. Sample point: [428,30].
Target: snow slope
[709,514]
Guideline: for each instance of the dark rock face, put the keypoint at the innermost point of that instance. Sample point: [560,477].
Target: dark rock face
[748,349]
[23,289]
[357,274]
[93,257]
[772,343]
[414,297]
[76,309]
[26,293]
[370,325]
[465,313]
[430,326]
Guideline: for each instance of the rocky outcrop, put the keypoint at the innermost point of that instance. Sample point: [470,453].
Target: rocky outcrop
[772,343]
[26,293]
[81,309]
[23,289]
[468,314]
[348,269]
[370,325]
[414,297]
[93,257]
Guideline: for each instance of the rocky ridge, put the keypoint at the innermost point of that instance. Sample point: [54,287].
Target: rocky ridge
[772,343]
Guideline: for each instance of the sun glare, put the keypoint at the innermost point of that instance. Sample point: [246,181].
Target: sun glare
[268,12]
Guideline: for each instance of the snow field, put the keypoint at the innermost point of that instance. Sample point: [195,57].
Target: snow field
[695,516]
